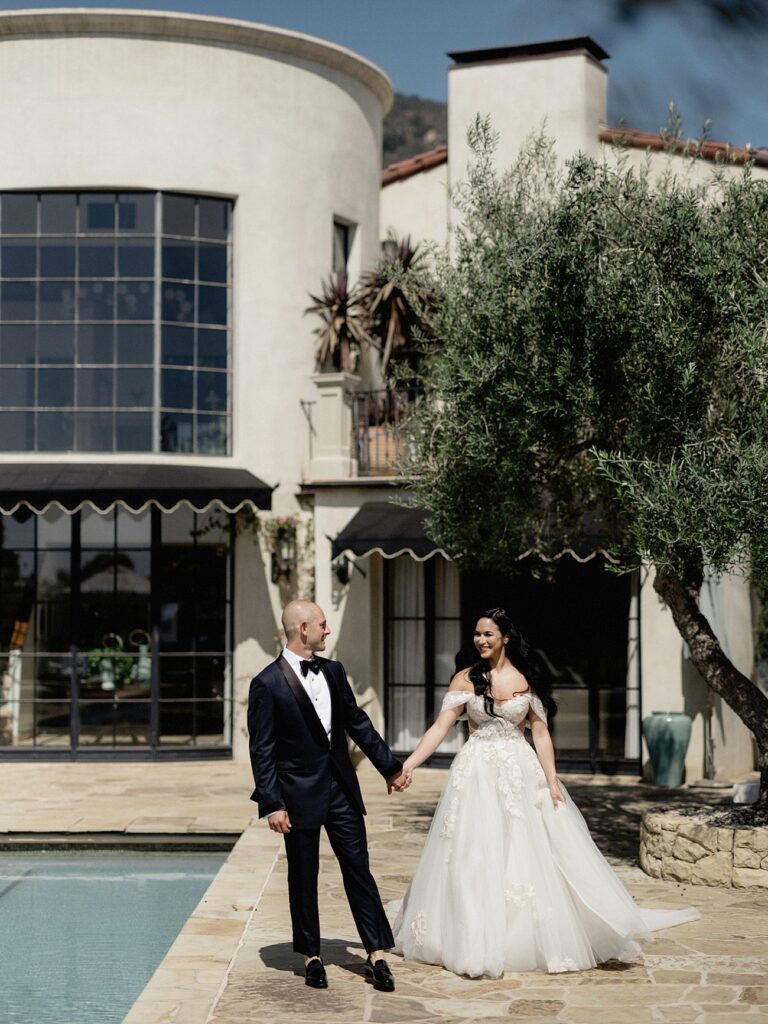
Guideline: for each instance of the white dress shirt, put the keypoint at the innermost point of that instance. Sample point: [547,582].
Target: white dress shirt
[316,688]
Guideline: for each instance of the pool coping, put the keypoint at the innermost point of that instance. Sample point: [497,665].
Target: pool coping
[168,842]
[190,979]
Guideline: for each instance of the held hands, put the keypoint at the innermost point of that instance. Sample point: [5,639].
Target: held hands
[400,782]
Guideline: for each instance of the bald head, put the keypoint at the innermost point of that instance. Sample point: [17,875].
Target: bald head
[305,627]
[297,612]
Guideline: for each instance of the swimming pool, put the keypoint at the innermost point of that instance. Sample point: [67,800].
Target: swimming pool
[81,934]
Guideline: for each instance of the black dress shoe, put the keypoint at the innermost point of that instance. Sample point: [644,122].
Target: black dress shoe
[315,974]
[379,975]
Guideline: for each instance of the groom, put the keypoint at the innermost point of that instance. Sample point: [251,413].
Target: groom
[300,711]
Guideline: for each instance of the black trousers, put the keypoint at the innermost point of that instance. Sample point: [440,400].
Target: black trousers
[346,831]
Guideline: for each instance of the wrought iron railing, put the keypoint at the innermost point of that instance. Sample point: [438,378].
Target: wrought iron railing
[377,440]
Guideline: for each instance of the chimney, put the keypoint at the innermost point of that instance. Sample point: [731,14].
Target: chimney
[562,83]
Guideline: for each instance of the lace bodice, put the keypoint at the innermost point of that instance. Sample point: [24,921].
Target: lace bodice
[510,714]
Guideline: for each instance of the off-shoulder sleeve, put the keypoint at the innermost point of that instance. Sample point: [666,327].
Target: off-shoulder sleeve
[538,709]
[454,699]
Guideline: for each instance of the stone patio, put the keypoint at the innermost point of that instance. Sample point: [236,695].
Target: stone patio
[232,962]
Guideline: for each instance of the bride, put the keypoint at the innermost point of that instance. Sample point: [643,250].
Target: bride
[509,878]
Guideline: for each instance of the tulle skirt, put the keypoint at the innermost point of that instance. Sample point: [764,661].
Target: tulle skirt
[506,882]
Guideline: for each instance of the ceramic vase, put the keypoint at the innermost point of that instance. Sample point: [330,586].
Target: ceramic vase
[667,734]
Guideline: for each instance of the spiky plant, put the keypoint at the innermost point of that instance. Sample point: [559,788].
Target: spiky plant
[394,301]
[344,323]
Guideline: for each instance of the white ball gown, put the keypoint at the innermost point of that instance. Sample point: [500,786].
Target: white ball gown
[506,882]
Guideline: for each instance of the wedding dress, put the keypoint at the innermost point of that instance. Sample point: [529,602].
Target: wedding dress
[506,882]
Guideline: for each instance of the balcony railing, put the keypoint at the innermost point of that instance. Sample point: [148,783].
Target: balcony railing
[376,440]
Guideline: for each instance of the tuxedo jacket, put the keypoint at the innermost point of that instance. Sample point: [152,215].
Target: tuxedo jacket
[291,757]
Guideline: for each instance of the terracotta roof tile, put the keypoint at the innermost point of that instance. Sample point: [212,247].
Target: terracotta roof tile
[720,151]
[414,165]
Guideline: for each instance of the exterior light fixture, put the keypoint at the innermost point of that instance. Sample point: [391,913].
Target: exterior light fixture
[341,569]
[284,555]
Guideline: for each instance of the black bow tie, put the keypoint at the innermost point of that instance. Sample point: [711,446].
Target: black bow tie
[308,665]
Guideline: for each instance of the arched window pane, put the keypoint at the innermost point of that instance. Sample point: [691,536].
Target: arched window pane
[97,213]
[17,343]
[135,257]
[17,386]
[57,258]
[17,300]
[136,212]
[56,343]
[178,346]
[19,213]
[95,343]
[179,215]
[18,258]
[135,343]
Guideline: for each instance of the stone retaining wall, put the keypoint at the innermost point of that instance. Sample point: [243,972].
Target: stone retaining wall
[683,849]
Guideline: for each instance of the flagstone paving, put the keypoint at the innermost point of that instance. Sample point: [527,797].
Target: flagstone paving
[232,962]
[710,972]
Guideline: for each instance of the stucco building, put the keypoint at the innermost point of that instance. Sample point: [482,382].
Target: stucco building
[172,188]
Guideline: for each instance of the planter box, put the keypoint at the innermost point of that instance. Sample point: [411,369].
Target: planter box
[380,451]
[684,849]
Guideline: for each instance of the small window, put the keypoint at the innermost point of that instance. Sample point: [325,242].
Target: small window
[342,244]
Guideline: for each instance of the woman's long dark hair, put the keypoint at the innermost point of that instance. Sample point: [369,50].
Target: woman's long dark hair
[521,656]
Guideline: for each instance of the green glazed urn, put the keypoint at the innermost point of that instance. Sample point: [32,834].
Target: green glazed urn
[667,734]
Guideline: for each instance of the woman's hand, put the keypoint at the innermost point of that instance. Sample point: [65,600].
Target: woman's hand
[408,770]
[556,793]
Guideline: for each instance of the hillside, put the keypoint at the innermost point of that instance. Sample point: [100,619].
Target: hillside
[412,126]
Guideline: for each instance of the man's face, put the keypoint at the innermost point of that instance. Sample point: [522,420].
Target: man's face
[317,630]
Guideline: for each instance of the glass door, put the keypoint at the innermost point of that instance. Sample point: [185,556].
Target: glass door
[422,640]
[576,620]
[116,631]
[112,607]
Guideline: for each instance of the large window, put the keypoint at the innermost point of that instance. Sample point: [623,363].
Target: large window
[114,322]
[116,631]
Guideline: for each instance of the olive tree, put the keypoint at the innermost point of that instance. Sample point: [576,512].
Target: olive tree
[601,355]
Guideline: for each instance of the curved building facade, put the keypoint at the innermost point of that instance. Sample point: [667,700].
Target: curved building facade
[172,188]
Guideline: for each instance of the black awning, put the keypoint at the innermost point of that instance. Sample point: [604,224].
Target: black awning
[388,529]
[37,485]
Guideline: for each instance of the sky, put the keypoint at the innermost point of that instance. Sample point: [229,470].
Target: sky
[699,54]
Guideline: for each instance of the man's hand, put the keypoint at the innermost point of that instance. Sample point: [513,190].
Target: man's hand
[279,822]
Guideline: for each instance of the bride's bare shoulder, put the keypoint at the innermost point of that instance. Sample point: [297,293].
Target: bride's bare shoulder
[461,681]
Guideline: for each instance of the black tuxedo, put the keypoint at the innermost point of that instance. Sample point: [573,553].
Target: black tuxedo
[297,769]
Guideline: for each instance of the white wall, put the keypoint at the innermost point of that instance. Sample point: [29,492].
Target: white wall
[417,206]
[690,170]
[354,611]
[671,683]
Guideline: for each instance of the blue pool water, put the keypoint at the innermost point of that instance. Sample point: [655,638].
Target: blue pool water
[81,934]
